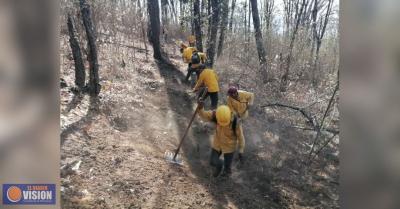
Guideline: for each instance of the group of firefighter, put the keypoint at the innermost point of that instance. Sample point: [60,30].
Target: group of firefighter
[228,137]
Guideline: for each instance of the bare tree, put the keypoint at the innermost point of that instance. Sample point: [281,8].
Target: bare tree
[154,28]
[232,15]
[94,86]
[319,29]
[76,53]
[164,12]
[259,40]
[211,42]
[223,26]
[268,9]
[197,24]
[298,13]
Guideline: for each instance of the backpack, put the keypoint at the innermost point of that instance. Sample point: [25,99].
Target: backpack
[234,122]
[195,58]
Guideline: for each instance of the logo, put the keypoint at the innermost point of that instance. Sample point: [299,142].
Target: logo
[29,194]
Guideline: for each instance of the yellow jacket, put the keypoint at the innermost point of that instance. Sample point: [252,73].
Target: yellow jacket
[240,105]
[203,57]
[187,54]
[209,78]
[225,140]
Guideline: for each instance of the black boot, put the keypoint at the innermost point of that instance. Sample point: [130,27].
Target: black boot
[226,173]
[217,170]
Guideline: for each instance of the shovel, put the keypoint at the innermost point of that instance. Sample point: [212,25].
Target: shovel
[174,157]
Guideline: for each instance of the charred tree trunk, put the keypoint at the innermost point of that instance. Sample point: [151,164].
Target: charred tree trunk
[211,43]
[76,53]
[153,29]
[224,24]
[259,41]
[197,24]
[232,12]
[94,86]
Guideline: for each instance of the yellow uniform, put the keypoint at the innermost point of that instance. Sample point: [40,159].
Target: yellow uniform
[187,54]
[192,39]
[225,140]
[203,57]
[240,105]
[210,79]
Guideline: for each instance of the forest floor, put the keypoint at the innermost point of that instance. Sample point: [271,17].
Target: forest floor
[112,148]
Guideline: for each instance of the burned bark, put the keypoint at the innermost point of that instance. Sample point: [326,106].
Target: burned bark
[94,86]
[224,24]
[211,43]
[197,25]
[154,27]
[77,54]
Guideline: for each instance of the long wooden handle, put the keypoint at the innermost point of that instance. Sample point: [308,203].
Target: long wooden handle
[186,131]
[190,124]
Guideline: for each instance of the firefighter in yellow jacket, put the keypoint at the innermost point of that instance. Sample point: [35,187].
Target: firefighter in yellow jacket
[208,78]
[227,138]
[198,59]
[239,101]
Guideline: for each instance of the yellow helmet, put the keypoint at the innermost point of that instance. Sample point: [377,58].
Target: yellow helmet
[192,39]
[223,115]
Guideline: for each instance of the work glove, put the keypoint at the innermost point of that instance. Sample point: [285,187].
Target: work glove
[200,103]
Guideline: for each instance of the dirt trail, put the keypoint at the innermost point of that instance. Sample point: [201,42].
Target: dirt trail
[143,110]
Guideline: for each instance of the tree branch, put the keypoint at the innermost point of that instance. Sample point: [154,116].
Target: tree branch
[301,110]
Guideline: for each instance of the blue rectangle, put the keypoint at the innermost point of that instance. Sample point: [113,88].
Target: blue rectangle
[29,194]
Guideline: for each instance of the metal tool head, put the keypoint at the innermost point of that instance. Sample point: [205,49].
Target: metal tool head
[169,156]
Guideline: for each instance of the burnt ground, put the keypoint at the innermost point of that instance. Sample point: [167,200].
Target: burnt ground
[112,152]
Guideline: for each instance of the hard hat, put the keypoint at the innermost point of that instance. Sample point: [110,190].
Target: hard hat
[232,91]
[183,45]
[223,115]
[191,39]
[195,58]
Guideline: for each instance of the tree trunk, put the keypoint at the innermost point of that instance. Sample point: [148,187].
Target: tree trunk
[197,24]
[232,12]
[213,31]
[164,12]
[94,86]
[209,17]
[245,19]
[259,41]
[153,29]
[248,26]
[285,76]
[142,28]
[319,35]
[224,24]
[76,53]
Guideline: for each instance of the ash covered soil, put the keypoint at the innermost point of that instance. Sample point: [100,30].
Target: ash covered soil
[112,147]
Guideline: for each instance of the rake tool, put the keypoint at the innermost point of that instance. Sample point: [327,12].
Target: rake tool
[174,157]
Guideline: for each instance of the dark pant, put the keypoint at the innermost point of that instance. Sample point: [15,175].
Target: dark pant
[213,97]
[189,71]
[216,162]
